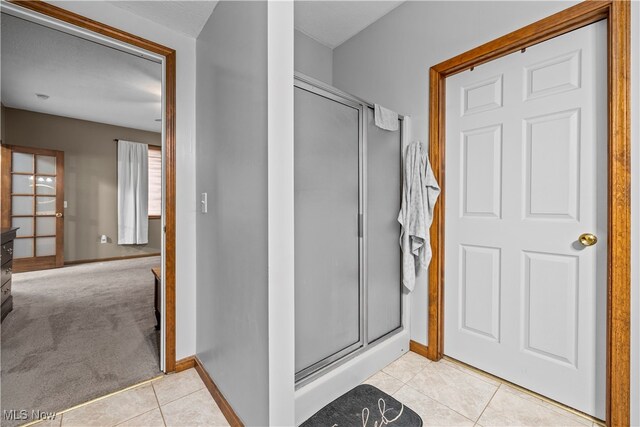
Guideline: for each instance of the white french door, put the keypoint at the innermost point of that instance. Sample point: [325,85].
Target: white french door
[526,181]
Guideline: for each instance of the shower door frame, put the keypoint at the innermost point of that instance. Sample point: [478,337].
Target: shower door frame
[319,365]
[312,372]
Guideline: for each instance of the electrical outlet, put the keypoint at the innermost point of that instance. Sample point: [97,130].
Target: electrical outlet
[103,239]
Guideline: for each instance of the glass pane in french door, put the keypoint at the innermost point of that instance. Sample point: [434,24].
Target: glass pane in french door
[22,205]
[45,246]
[22,163]
[45,205]
[22,184]
[46,226]
[24,224]
[46,165]
[23,248]
[46,185]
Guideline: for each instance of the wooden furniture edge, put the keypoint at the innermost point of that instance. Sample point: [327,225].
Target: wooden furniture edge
[418,348]
[226,408]
[115,258]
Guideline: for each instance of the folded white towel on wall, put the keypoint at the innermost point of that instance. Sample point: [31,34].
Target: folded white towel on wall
[385,118]
[420,190]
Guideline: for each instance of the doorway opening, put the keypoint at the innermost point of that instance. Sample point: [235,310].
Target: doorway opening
[39,241]
[526,176]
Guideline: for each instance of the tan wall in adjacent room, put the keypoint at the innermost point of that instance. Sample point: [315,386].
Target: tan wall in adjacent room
[90,178]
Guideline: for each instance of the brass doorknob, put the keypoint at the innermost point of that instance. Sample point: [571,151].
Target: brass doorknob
[588,239]
[58,214]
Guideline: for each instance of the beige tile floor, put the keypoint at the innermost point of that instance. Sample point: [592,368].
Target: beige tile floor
[174,400]
[448,394]
[442,393]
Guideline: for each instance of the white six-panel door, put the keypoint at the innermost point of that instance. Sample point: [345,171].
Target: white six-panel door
[526,175]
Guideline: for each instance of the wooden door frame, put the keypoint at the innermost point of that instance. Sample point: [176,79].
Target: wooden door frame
[170,149]
[28,264]
[617,12]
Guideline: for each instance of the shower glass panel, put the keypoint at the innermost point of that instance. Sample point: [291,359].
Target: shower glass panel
[384,286]
[328,290]
[348,288]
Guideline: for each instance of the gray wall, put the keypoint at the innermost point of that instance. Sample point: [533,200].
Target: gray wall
[312,58]
[231,162]
[389,61]
[90,178]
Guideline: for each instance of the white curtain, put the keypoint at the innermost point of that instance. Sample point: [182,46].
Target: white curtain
[133,188]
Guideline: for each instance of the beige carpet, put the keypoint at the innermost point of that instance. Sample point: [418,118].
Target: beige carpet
[77,333]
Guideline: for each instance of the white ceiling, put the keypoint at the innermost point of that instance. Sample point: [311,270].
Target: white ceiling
[187,17]
[334,22]
[84,80]
[329,22]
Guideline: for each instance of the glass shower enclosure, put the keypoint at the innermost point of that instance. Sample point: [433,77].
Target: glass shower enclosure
[347,175]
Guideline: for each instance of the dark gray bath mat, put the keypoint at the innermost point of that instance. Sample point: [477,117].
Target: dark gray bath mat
[364,406]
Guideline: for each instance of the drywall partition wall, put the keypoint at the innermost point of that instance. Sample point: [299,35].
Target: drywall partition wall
[90,179]
[185,152]
[388,63]
[312,58]
[231,162]
[280,65]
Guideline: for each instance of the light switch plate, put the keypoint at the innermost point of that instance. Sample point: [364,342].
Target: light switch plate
[65,204]
[203,202]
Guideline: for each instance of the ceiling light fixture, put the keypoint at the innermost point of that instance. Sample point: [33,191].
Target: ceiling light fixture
[42,96]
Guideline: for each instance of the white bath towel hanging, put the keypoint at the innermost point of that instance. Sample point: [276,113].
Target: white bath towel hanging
[420,191]
[385,118]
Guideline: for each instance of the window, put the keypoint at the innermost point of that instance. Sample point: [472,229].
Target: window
[155,182]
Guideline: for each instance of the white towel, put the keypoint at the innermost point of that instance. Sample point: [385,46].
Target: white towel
[385,118]
[420,191]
